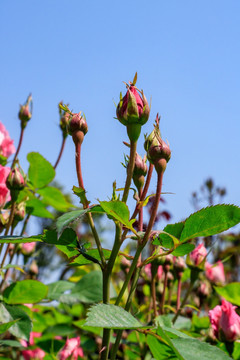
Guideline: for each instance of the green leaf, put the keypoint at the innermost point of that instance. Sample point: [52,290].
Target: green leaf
[236,351]
[210,221]
[53,197]
[68,238]
[183,249]
[56,289]
[88,290]
[200,322]
[19,239]
[81,193]
[4,327]
[25,292]
[83,260]
[22,327]
[111,317]
[51,346]
[40,171]
[119,211]
[10,343]
[36,207]
[230,292]
[160,350]
[3,160]
[165,239]
[194,349]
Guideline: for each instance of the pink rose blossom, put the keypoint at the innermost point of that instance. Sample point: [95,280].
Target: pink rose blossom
[6,144]
[215,273]
[198,254]
[36,354]
[225,321]
[4,191]
[71,348]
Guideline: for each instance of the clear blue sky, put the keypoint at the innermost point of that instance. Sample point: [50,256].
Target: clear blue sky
[187,55]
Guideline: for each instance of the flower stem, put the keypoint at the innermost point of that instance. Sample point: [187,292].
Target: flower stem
[183,301]
[164,292]
[130,167]
[179,290]
[18,148]
[61,152]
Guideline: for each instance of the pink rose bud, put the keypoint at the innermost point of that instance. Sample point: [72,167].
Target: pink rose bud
[158,152]
[71,348]
[77,128]
[33,269]
[133,110]
[15,180]
[198,254]
[24,113]
[6,143]
[215,273]
[20,211]
[204,289]
[28,248]
[139,171]
[179,264]
[225,322]
[4,191]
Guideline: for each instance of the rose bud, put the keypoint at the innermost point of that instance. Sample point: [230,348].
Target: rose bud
[204,289]
[179,266]
[33,269]
[28,248]
[198,255]
[139,171]
[215,273]
[64,119]
[158,152]
[20,211]
[24,113]
[15,180]
[133,110]
[225,322]
[77,127]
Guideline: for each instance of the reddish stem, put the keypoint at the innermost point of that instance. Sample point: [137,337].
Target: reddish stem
[61,152]
[18,148]
[164,291]
[179,290]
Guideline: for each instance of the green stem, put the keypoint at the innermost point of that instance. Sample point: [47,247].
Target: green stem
[130,167]
[183,301]
[127,308]
[107,271]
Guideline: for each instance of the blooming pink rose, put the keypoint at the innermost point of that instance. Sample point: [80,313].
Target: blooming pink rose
[36,354]
[71,348]
[6,144]
[28,248]
[4,191]
[198,254]
[225,321]
[215,273]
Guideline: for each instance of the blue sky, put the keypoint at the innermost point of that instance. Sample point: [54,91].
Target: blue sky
[187,56]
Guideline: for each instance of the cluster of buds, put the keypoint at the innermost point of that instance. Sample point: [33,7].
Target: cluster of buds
[133,110]
[25,112]
[158,152]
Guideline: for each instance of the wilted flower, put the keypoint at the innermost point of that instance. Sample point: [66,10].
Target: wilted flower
[198,254]
[225,321]
[4,191]
[6,143]
[215,273]
[71,348]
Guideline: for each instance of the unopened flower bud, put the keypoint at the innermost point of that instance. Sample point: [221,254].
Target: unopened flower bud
[77,127]
[4,218]
[198,255]
[33,269]
[133,110]
[28,248]
[204,289]
[20,211]
[25,113]
[158,152]
[179,265]
[64,121]
[139,171]
[15,180]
